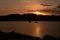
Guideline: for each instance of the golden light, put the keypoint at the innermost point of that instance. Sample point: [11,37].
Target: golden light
[39,31]
[37,13]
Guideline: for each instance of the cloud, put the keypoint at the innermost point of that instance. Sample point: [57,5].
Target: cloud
[17,4]
[58,6]
[45,5]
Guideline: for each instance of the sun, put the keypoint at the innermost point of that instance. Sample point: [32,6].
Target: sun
[37,13]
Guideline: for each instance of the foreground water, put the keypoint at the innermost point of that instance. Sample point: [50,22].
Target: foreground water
[34,29]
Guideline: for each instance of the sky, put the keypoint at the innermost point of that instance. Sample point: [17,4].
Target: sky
[19,6]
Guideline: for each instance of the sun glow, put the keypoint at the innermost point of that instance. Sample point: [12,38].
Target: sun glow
[37,13]
[38,31]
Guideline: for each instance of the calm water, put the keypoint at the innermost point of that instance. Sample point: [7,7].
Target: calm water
[34,29]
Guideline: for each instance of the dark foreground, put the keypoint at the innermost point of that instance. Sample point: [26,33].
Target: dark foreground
[17,36]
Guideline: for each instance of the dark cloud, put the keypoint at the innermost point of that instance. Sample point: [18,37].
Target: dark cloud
[58,6]
[45,5]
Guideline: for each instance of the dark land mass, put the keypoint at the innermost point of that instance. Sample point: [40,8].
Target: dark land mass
[29,17]
[17,36]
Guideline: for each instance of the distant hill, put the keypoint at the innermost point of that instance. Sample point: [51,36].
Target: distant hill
[29,17]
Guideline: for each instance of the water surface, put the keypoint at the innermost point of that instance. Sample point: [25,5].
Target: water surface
[34,29]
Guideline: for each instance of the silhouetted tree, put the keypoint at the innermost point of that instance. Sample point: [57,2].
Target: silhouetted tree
[29,17]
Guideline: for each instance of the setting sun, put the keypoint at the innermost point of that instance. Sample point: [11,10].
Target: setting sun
[38,13]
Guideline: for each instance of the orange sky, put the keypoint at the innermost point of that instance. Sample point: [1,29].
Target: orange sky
[18,6]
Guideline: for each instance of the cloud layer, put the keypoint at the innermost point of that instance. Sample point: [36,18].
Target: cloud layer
[6,6]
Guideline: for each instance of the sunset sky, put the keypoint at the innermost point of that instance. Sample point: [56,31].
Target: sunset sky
[36,6]
[19,6]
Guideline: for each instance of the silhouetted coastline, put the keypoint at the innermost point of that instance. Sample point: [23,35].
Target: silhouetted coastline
[17,36]
[29,17]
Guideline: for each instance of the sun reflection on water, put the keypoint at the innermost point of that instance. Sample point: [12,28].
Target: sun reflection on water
[38,31]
